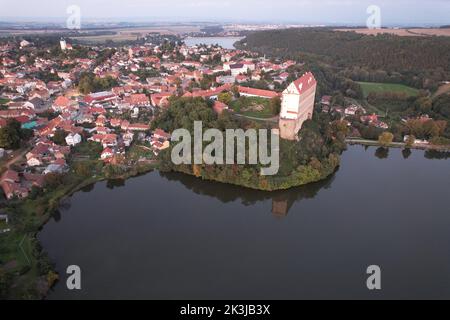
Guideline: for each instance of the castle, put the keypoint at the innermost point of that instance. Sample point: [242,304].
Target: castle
[297,105]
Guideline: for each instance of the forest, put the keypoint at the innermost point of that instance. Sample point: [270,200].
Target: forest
[420,62]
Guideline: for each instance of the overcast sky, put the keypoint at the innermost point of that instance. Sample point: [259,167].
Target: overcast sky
[298,11]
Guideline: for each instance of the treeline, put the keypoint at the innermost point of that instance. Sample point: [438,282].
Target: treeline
[421,62]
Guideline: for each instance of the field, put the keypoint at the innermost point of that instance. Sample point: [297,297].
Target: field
[131,34]
[417,32]
[369,87]
[120,34]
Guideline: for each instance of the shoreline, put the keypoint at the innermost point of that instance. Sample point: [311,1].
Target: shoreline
[397,145]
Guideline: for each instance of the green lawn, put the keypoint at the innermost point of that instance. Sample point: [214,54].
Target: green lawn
[369,87]
[247,107]
[3,101]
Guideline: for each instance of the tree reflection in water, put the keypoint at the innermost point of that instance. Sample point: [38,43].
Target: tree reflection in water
[282,200]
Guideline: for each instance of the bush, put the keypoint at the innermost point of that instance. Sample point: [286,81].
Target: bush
[440,141]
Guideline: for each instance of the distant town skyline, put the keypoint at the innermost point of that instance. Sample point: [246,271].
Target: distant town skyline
[394,12]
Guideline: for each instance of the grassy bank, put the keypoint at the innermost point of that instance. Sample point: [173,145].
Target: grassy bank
[374,87]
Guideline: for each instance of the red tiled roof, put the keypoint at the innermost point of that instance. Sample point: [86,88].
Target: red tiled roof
[61,102]
[305,82]
[258,92]
[10,175]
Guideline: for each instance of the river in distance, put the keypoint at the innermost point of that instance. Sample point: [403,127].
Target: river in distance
[172,236]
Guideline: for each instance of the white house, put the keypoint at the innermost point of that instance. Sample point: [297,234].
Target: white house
[54,168]
[34,162]
[73,139]
[237,69]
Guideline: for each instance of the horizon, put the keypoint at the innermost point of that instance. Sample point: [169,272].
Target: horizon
[318,12]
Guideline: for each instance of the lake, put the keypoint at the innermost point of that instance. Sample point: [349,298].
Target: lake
[224,42]
[172,236]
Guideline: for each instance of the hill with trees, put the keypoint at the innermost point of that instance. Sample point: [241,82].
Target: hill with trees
[313,158]
[420,62]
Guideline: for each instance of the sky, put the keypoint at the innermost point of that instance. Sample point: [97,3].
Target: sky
[393,12]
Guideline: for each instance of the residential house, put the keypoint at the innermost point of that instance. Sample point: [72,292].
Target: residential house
[73,139]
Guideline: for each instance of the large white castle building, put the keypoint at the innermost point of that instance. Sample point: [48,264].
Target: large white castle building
[297,105]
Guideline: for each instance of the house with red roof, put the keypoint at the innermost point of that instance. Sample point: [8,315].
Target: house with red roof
[107,140]
[10,183]
[115,122]
[100,97]
[137,100]
[63,103]
[138,127]
[160,99]
[161,135]
[10,176]
[107,153]
[219,107]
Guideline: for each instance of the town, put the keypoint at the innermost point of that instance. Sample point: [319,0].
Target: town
[67,108]
[72,100]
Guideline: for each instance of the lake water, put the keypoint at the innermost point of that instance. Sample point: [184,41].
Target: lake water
[224,42]
[171,236]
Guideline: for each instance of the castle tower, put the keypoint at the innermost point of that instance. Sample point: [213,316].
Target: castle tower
[63,45]
[297,105]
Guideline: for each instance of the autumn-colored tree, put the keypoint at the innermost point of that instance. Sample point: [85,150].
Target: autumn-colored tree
[197,170]
[225,97]
[386,139]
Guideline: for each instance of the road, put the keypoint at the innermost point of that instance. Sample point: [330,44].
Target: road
[16,157]
[274,119]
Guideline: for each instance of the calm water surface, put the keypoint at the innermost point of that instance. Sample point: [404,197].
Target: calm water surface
[172,236]
[224,42]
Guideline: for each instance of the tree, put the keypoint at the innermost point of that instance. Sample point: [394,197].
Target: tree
[53,180]
[90,83]
[386,139]
[11,135]
[60,137]
[225,97]
[9,138]
[275,105]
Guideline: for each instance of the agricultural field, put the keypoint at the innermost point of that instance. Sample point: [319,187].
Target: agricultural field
[131,34]
[417,32]
[373,87]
